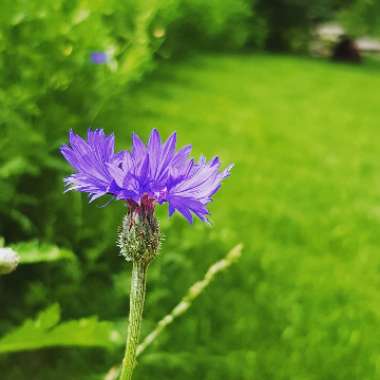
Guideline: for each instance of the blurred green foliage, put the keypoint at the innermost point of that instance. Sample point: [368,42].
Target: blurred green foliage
[32,252]
[288,24]
[49,85]
[362,17]
[45,331]
[303,196]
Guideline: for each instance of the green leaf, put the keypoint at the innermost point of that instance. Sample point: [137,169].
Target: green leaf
[16,166]
[49,317]
[34,252]
[45,331]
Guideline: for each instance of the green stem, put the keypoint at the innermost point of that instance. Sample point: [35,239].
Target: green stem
[136,302]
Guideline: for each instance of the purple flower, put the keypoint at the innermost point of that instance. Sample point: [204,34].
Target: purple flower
[98,57]
[145,176]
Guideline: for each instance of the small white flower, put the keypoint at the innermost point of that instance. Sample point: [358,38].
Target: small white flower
[9,260]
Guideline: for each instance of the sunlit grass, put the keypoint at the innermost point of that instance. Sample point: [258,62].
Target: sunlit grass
[304,198]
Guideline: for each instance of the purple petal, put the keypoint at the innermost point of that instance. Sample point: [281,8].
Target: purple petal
[139,148]
[91,160]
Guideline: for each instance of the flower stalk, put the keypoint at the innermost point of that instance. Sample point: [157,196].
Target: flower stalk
[139,241]
[136,306]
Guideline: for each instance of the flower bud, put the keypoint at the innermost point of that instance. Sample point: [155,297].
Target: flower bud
[9,260]
[139,237]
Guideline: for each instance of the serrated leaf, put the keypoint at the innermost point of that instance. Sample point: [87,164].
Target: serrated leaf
[46,331]
[34,252]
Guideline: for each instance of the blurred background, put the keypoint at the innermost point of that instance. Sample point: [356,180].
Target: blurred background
[288,90]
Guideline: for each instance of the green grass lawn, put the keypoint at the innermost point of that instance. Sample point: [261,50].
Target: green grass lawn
[304,198]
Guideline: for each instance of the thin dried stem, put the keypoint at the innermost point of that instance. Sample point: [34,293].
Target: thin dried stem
[190,296]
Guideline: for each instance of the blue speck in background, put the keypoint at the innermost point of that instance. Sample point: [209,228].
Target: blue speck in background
[98,57]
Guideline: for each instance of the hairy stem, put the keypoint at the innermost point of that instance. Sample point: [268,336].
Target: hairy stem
[136,302]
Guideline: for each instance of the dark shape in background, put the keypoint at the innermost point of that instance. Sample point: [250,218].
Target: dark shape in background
[346,50]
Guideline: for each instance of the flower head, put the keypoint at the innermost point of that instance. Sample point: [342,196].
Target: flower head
[147,175]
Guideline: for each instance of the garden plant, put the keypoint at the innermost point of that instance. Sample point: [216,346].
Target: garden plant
[143,178]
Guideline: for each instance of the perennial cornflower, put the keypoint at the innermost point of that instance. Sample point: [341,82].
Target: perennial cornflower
[144,177]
